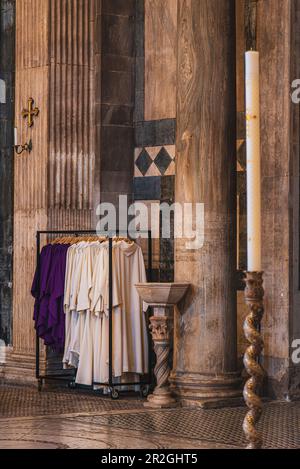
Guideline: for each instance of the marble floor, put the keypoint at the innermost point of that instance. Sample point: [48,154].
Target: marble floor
[72,419]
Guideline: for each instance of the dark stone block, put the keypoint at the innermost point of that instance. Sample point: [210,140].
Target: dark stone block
[139,113]
[6,133]
[115,114]
[140,74]
[241,155]
[98,34]
[118,35]
[116,181]
[5,107]
[166,262]
[6,208]
[116,148]
[147,188]
[98,86]
[117,88]
[118,63]
[154,275]
[165,274]
[140,28]
[119,7]
[240,277]
[155,133]
[241,126]
[5,312]
[7,29]
[168,189]
[113,198]
[7,64]
[140,10]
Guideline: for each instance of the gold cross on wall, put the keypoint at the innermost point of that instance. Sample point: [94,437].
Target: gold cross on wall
[30,112]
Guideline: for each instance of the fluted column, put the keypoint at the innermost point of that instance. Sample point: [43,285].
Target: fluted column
[205,358]
[55,183]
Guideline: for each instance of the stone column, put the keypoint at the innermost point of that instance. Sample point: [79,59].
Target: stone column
[205,357]
[54,184]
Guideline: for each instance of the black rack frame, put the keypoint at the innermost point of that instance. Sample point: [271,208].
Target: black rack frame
[112,386]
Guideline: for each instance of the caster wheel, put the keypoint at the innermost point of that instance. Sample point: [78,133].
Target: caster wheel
[144,391]
[40,385]
[114,394]
[72,385]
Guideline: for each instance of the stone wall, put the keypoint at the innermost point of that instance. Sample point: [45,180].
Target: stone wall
[7,69]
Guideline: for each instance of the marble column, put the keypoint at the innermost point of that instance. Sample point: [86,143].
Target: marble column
[205,357]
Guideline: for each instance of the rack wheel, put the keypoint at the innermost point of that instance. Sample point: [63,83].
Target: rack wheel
[114,394]
[144,391]
[72,384]
[40,385]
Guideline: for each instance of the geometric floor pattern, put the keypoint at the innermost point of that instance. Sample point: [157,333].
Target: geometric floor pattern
[22,401]
[280,424]
[73,419]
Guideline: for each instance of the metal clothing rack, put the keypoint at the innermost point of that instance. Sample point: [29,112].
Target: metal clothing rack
[144,385]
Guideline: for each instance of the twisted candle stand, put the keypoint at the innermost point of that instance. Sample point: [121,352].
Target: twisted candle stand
[254,294]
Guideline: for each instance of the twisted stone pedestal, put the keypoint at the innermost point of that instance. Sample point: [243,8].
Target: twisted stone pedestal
[162,297]
[161,326]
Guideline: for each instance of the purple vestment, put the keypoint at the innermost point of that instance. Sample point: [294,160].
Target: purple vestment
[48,291]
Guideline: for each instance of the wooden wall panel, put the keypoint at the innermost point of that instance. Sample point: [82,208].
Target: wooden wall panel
[160,59]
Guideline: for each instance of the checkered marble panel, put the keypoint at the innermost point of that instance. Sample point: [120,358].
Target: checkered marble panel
[154,161]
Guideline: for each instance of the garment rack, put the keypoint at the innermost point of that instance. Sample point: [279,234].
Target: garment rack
[114,392]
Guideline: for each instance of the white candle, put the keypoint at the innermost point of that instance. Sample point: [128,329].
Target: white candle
[253,161]
[16,136]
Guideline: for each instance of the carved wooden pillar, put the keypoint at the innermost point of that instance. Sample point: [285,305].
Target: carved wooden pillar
[205,326]
[53,185]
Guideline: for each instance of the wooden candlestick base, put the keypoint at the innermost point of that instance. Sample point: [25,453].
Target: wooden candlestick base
[254,294]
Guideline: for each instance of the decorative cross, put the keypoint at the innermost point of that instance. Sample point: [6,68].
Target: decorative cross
[30,112]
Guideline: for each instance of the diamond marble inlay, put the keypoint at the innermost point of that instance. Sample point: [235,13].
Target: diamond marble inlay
[143,162]
[154,161]
[163,160]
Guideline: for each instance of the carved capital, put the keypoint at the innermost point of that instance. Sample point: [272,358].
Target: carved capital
[160,327]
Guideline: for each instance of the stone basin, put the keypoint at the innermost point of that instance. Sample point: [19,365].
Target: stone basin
[162,294]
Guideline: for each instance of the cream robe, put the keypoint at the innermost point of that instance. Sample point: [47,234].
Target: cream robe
[130,266]
[74,321]
[100,301]
[85,372]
